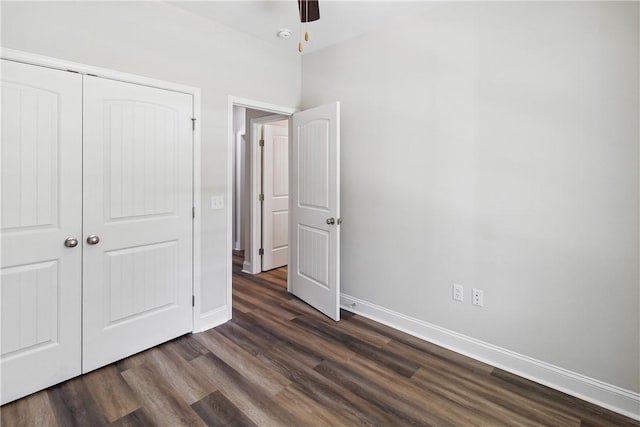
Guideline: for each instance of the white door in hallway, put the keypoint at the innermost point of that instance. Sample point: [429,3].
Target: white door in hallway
[40,294]
[138,198]
[314,265]
[275,187]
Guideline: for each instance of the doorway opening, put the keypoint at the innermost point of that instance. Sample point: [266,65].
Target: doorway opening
[312,187]
[258,173]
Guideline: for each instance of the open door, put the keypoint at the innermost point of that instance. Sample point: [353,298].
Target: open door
[314,208]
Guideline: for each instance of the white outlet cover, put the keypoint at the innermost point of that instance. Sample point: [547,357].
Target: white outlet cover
[458,292]
[477,297]
[217,202]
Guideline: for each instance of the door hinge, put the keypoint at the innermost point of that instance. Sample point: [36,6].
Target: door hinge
[260,251]
[261,197]
[193,300]
[193,124]
[193,212]
[262,143]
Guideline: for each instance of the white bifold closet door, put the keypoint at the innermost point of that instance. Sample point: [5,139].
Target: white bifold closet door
[138,198]
[96,226]
[41,174]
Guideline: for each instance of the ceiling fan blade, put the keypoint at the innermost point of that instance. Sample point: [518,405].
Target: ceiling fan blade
[309,10]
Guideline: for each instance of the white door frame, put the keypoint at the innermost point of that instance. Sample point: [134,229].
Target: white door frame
[255,105]
[240,150]
[255,211]
[199,321]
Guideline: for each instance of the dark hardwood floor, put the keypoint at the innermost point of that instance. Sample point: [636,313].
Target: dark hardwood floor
[280,363]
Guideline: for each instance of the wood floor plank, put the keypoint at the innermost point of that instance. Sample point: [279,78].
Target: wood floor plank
[278,298]
[311,412]
[137,418]
[132,361]
[251,400]
[252,368]
[426,400]
[162,403]
[187,382]
[33,410]
[218,411]
[481,396]
[393,361]
[436,370]
[251,343]
[381,398]
[325,348]
[268,339]
[111,393]
[422,345]
[241,306]
[187,347]
[367,335]
[259,283]
[72,407]
[454,403]
[275,310]
[264,286]
[551,399]
[353,409]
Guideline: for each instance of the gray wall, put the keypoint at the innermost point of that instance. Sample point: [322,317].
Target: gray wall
[157,40]
[495,145]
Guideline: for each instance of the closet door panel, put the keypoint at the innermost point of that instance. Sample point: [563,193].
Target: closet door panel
[40,291]
[137,200]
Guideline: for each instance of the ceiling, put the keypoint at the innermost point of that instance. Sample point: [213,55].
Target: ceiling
[339,20]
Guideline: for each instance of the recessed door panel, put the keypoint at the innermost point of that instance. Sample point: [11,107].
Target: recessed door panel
[141,171]
[30,300]
[30,117]
[141,281]
[314,265]
[137,202]
[40,291]
[312,146]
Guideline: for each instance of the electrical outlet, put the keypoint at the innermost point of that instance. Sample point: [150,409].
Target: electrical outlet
[217,202]
[477,297]
[458,292]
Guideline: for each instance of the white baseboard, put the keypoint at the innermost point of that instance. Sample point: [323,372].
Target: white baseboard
[212,318]
[615,398]
[246,267]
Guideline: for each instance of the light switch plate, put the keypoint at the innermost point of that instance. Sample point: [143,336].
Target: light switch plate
[217,202]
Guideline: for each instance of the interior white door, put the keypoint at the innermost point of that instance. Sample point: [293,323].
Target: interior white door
[275,187]
[314,265]
[41,208]
[138,157]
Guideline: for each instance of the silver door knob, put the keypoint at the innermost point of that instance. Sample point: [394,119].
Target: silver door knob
[331,221]
[93,239]
[71,242]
